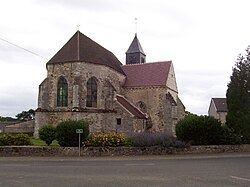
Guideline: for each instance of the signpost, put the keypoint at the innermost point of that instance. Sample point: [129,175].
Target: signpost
[79,131]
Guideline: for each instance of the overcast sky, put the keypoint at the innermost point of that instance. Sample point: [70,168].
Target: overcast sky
[202,38]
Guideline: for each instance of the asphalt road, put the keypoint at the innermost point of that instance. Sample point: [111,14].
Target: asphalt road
[189,171]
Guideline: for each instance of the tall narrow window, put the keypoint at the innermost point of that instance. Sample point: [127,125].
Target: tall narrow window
[91,93]
[62,92]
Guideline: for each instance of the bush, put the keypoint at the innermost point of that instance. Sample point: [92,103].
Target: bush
[22,139]
[7,139]
[19,139]
[146,139]
[66,133]
[103,140]
[229,137]
[47,133]
[199,130]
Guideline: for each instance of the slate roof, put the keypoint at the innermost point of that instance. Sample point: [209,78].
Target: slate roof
[147,74]
[135,46]
[220,104]
[130,107]
[80,48]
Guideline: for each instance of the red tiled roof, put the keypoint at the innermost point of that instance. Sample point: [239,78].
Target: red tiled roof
[220,104]
[147,74]
[80,48]
[130,107]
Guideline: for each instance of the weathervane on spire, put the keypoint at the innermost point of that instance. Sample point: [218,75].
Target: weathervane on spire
[135,26]
[78,27]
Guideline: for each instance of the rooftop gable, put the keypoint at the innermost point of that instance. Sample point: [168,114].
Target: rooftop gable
[148,74]
[132,109]
[80,48]
[220,104]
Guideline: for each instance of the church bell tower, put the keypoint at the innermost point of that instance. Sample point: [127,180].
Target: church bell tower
[135,53]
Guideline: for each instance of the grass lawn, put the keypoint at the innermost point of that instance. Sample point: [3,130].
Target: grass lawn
[39,142]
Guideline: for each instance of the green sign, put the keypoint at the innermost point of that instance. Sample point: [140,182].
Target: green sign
[79,131]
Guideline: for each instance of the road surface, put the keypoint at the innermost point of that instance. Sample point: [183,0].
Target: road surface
[189,170]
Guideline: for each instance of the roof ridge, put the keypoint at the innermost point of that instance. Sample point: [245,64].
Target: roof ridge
[169,61]
[132,105]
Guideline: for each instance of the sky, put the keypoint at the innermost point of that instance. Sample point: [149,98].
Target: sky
[202,38]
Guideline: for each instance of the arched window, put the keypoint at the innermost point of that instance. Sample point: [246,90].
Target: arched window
[62,92]
[91,93]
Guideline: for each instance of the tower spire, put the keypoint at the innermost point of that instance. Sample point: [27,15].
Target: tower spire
[135,53]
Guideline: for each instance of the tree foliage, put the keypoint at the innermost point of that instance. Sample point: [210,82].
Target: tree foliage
[47,133]
[199,130]
[4,119]
[66,133]
[238,97]
[26,115]
[19,139]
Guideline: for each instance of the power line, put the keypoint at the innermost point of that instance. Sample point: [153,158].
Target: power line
[23,48]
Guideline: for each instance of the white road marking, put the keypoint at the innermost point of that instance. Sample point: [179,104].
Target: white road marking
[240,178]
[148,164]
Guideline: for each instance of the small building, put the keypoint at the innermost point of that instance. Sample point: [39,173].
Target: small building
[85,81]
[218,109]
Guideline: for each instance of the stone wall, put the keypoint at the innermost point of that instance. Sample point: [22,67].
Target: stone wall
[26,127]
[100,121]
[163,111]
[118,151]
[97,119]
[77,75]
[171,82]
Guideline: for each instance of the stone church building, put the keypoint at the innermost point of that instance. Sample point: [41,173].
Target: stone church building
[86,81]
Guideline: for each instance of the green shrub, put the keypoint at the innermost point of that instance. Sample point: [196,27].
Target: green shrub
[104,140]
[47,133]
[22,139]
[7,139]
[66,133]
[19,139]
[229,137]
[199,130]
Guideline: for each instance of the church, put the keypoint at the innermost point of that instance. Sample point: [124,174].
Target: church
[85,81]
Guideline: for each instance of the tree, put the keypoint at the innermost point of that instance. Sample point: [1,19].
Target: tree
[199,130]
[66,133]
[47,133]
[238,97]
[26,115]
[2,119]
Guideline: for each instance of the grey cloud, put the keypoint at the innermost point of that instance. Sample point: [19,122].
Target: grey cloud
[95,5]
[16,101]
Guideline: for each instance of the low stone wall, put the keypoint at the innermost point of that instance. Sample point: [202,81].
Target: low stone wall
[117,151]
[26,127]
